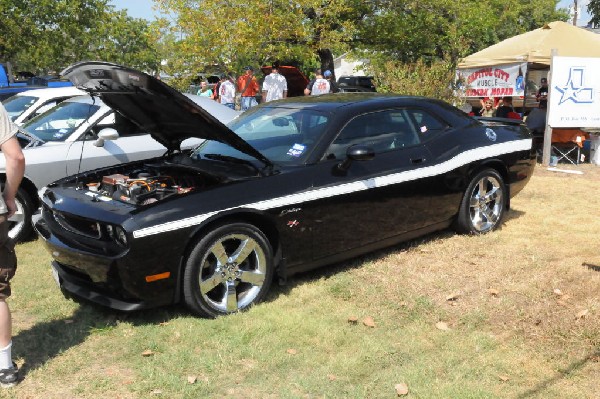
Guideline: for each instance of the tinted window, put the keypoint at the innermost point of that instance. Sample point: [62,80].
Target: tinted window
[427,124]
[16,105]
[60,122]
[282,135]
[382,131]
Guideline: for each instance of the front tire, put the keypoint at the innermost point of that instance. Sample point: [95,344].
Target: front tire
[229,270]
[483,205]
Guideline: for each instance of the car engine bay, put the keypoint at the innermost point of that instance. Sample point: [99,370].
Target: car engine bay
[149,184]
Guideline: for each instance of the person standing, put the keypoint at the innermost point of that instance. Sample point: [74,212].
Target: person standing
[505,108]
[321,86]
[15,168]
[542,94]
[227,92]
[309,87]
[248,87]
[274,86]
[204,90]
[333,87]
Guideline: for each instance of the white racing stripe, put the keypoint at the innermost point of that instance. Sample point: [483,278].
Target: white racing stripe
[459,160]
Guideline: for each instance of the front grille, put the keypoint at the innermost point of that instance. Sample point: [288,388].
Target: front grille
[82,226]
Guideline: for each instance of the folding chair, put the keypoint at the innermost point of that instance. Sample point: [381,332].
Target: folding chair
[567,144]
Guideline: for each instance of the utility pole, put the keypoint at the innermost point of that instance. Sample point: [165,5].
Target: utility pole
[575,12]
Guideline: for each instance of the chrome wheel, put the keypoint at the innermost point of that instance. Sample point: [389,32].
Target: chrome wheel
[229,270]
[486,204]
[483,204]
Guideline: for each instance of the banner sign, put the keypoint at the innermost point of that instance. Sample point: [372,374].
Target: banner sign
[493,81]
[574,92]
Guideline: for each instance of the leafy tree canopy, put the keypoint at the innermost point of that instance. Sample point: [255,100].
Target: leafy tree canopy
[47,35]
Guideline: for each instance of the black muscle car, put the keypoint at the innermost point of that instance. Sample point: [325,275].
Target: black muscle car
[287,186]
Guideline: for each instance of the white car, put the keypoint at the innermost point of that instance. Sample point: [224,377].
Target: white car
[81,134]
[28,104]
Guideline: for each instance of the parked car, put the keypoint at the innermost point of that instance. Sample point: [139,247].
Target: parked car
[26,105]
[80,134]
[287,186]
[354,89]
[357,81]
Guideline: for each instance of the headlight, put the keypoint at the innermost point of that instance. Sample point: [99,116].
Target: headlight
[120,236]
[117,234]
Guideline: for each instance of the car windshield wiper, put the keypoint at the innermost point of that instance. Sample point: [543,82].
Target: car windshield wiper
[231,159]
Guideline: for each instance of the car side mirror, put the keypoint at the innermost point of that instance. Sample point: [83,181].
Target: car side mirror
[356,153]
[107,133]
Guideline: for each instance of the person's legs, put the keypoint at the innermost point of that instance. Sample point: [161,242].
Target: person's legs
[245,103]
[8,264]
[5,325]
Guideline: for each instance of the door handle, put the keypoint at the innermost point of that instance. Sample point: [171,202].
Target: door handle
[416,161]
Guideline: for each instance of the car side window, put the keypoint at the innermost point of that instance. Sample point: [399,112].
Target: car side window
[381,131]
[428,125]
[122,125]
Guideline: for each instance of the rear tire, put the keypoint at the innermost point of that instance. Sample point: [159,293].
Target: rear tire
[483,205]
[229,270]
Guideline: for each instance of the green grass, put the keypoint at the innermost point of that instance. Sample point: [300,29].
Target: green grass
[521,343]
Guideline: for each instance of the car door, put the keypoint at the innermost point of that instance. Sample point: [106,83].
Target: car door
[131,145]
[372,200]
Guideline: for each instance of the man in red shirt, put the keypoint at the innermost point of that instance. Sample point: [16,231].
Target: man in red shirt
[248,87]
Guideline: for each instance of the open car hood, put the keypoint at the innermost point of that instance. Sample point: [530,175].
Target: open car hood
[169,116]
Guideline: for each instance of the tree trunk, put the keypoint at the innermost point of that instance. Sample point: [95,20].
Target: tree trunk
[326,58]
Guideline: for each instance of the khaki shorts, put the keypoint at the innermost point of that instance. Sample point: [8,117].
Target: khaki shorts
[8,259]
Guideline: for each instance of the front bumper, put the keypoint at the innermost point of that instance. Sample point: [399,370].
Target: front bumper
[72,286]
[111,281]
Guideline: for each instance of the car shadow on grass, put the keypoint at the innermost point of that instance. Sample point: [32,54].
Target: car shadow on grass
[333,269]
[45,340]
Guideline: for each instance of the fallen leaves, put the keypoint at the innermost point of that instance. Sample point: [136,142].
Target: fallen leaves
[440,325]
[503,378]
[401,389]
[369,322]
[453,297]
[147,353]
[292,351]
[582,314]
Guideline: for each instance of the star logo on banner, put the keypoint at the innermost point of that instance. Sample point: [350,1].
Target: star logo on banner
[574,88]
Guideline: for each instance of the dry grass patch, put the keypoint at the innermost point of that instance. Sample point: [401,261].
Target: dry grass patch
[511,314]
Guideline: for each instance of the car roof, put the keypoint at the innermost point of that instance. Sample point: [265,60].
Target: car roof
[52,92]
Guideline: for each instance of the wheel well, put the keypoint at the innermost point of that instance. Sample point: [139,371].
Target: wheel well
[499,167]
[29,188]
[259,221]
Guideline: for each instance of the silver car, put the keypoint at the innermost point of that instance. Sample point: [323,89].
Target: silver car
[81,134]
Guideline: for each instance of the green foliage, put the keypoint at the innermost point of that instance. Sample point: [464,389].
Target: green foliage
[46,35]
[593,8]
[417,78]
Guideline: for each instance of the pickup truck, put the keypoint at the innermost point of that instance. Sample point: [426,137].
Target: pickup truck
[8,87]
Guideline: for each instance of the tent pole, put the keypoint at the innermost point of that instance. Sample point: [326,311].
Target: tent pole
[548,130]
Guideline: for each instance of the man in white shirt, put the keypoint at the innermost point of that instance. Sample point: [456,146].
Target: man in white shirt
[274,86]
[321,86]
[227,92]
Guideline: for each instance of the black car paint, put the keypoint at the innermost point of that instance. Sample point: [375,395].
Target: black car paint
[306,230]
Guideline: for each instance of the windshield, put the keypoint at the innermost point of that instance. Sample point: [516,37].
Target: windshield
[61,121]
[283,135]
[16,105]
